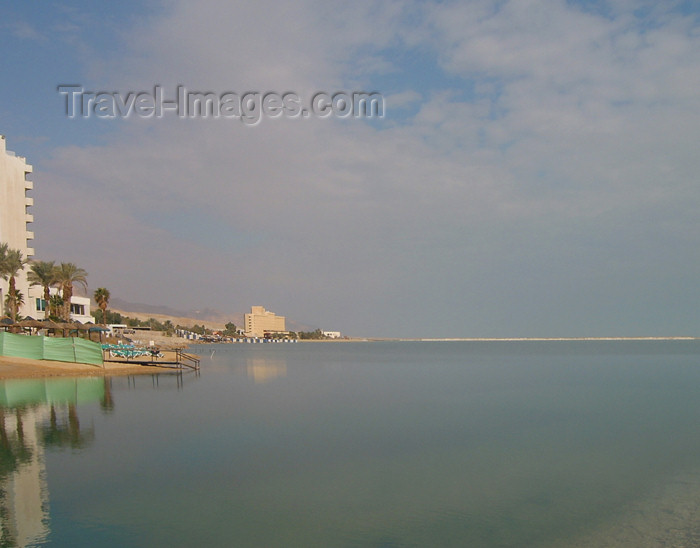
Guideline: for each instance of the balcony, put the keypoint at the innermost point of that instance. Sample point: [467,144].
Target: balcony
[29,218]
[30,235]
[28,201]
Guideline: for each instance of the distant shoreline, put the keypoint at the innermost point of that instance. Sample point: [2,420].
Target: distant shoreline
[25,368]
[518,339]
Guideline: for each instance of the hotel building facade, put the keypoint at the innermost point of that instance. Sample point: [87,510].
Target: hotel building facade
[260,321]
[15,216]
[15,230]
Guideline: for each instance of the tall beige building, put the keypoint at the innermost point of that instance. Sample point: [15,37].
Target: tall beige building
[15,218]
[260,321]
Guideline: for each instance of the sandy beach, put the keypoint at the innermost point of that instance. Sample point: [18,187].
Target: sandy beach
[17,368]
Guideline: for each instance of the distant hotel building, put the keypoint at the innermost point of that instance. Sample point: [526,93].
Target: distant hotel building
[15,217]
[15,220]
[260,321]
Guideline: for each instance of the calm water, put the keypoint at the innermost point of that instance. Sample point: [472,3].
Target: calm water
[490,444]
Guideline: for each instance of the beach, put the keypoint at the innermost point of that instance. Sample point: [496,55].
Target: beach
[24,368]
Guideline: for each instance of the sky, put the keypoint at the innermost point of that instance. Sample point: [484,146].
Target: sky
[534,173]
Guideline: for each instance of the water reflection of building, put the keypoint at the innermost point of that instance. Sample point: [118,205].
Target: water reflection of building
[265,369]
[24,501]
[35,414]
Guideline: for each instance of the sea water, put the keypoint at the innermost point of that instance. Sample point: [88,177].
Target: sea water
[378,444]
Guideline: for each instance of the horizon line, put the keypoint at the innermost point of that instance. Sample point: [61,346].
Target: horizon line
[495,339]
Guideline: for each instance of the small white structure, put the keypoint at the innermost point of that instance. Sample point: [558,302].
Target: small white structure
[331,334]
[79,306]
[116,329]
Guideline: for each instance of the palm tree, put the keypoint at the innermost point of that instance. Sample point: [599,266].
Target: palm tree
[43,273]
[11,264]
[68,274]
[15,299]
[55,306]
[102,300]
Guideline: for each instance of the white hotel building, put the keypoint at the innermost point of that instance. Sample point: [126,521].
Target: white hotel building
[15,230]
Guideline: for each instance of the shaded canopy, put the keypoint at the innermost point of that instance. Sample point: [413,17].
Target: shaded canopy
[48,324]
[29,322]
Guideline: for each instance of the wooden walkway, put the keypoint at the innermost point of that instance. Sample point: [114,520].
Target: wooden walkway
[171,359]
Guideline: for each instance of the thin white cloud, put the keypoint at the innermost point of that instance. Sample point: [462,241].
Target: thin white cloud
[580,126]
[25,31]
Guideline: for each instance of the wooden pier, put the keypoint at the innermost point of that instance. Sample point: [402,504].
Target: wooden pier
[168,359]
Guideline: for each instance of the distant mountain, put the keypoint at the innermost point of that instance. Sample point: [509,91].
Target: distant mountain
[142,308]
[291,325]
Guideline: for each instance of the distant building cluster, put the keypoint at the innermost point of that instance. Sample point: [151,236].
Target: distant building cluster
[187,334]
[260,322]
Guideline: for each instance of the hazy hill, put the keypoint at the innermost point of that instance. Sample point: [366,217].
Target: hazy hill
[210,318]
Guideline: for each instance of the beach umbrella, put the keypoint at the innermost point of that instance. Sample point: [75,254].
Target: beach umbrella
[6,322]
[31,323]
[48,324]
[97,329]
[81,327]
[65,326]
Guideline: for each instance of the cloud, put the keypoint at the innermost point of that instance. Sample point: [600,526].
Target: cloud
[25,31]
[550,160]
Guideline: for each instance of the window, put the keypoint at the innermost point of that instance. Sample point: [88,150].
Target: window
[40,304]
[77,309]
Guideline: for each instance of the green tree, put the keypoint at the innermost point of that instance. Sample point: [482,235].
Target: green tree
[114,317]
[311,335]
[102,300]
[55,307]
[168,327]
[132,322]
[230,330]
[11,264]
[14,298]
[43,273]
[68,274]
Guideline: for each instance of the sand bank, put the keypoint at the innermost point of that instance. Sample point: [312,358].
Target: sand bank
[17,368]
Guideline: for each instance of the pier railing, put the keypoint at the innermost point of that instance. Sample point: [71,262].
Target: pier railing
[176,358]
[188,360]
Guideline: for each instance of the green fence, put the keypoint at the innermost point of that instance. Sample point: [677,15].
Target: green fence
[20,392]
[69,349]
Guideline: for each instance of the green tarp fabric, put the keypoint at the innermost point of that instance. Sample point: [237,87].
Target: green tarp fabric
[88,352]
[51,348]
[19,392]
[21,346]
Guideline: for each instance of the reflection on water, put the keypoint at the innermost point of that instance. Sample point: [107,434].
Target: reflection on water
[262,370]
[23,493]
[36,415]
[396,444]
